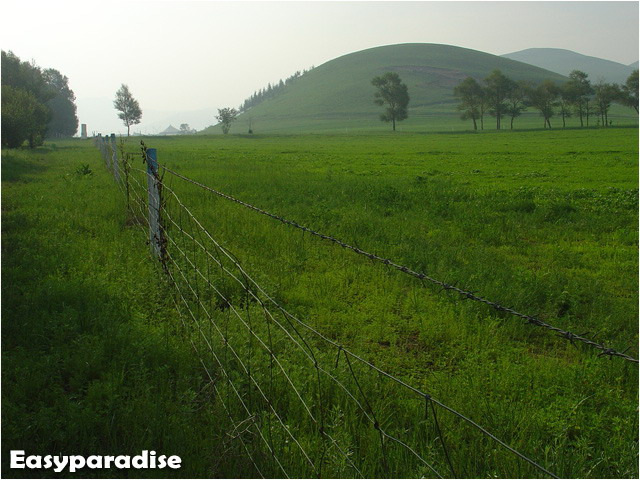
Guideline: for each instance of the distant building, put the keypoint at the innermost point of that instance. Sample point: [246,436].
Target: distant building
[170,130]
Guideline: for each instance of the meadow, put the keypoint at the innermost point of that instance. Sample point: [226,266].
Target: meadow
[542,221]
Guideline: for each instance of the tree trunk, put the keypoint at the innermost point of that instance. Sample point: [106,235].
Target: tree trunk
[475,125]
[128,126]
[512,122]
[394,123]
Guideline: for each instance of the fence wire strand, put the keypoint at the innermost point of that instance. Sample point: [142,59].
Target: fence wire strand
[466,294]
[252,387]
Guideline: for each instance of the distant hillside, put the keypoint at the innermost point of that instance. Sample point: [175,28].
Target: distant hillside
[338,95]
[564,61]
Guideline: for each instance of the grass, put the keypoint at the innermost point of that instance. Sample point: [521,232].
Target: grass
[543,221]
[91,359]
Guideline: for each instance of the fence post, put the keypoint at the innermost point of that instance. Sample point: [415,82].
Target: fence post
[125,168]
[99,143]
[154,187]
[114,149]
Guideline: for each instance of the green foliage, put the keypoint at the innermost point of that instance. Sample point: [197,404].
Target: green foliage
[472,100]
[129,108]
[23,118]
[29,92]
[543,98]
[225,117]
[64,121]
[578,92]
[629,93]
[394,95]
[605,95]
[497,88]
[84,169]
[516,99]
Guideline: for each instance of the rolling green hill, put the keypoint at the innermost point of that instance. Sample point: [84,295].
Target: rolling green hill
[338,95]
[564,61]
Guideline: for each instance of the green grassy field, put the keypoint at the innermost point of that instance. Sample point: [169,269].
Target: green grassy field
[543,221]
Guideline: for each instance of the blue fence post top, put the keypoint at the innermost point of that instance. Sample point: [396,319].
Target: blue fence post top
[152,161]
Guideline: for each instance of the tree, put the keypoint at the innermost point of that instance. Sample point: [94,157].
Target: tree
[226,116]
[129,108]
[579,91]
[23,118]
[516,100]
[185,129]
[64,121]
[394,94]
[629,91]
[497,87]
[543,98]
[605,95]
[26,114]
[471,97]
[565,100]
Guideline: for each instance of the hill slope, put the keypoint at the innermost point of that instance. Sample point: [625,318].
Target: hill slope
[339,94]
[564,61]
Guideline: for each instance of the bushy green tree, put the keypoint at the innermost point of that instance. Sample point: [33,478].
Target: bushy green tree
[394,94]
[472,99]
[605,95]
[516,100]
[497,87]
[225,117]
[543,98]
[23,118]
[565,100]
[64,120]
[26,114]
[629,91]
[129,108]
[578,90]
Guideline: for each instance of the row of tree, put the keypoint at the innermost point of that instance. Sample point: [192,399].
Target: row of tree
[502,97]
[36,103]
[270,91]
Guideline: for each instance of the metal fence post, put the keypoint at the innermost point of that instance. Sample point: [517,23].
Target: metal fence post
[114,157]
[154,187]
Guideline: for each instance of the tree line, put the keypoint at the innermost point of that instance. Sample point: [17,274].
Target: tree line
[36,103]
[270,91]
[503,98]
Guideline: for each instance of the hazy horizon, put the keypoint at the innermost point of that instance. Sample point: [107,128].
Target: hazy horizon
[183,60]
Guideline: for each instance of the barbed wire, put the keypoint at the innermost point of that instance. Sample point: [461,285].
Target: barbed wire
[230,267]
[466,294]
[345,351]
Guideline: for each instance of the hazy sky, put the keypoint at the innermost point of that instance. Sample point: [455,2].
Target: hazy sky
[179,57]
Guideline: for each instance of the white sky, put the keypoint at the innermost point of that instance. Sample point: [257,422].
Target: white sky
[184,59]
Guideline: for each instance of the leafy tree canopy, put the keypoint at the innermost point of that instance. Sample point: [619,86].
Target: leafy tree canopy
[128,107]
[393,94]
[225,117]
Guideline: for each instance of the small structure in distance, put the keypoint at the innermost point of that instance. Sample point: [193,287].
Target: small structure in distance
[170,130]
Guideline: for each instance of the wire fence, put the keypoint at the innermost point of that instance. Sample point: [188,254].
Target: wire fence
[299,403]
